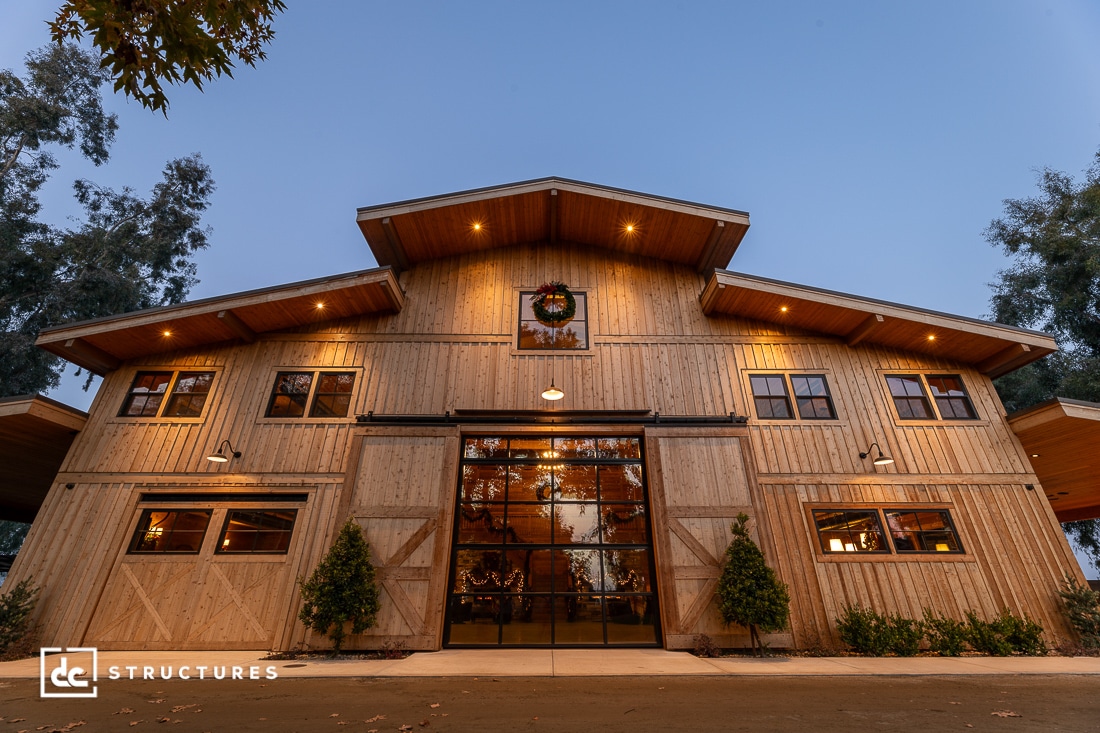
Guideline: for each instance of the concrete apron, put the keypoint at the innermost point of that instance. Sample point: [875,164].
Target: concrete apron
[567,663]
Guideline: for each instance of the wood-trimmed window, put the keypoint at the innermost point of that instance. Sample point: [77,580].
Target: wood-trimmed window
[257,531]
[771,396]
[951,398]
[534,334]
[847,530]
[850,530]
[326,394]
[911,398]
[812,398]
[187,397]
[769,393]
[175,531]
[922,530]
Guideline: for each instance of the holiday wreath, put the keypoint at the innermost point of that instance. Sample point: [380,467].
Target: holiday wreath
[548,294]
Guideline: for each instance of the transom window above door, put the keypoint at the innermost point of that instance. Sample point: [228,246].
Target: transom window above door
[535,334]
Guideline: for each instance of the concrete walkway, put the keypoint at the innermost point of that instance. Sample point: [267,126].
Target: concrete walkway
[574,663]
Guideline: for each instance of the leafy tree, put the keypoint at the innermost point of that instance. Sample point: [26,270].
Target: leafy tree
[143,42]
[341,588]
[749,592]
[12,535]
[1054,285]
[130,251]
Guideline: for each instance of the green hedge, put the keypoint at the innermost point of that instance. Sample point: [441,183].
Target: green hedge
[876,635]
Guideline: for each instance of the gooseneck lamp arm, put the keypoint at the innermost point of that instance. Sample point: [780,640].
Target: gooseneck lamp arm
[220,456]
[881,459]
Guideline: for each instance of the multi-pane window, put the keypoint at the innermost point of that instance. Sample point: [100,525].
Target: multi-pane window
[772,399]
[811,396]
[860,530]
[170,531]
[850,530]
[951,397]
[769,392]
[257,531]
[552,544]
[189,394]
[322,394]
[924,530]
[186,398]
[534,334]
[911,398]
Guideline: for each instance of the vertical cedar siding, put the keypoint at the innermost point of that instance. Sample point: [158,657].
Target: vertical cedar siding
[651,347]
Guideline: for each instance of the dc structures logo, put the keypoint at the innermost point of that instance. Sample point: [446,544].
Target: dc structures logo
[66,676]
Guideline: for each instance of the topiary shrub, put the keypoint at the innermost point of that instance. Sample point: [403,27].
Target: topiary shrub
[341,589]
[1082,606]
[16,607]
[946,636]
[749,592]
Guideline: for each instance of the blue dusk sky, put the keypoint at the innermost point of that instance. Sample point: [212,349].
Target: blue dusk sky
[871,143]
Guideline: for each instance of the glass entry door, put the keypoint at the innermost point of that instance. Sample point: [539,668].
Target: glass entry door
[552,545]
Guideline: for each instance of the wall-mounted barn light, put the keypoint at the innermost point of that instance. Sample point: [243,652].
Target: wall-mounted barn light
[881,459]
[220,456]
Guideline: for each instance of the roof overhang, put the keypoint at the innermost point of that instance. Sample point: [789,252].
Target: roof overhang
[992,348]
[35,435]
[552,210]
[1062,438]
[101,345]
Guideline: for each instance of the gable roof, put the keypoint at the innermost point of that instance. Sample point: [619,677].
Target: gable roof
[993,348]
[102,344]
[551,210]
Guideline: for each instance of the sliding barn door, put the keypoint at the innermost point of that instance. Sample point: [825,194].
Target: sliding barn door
[403,498]
[699,483]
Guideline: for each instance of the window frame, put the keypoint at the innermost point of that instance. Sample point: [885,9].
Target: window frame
[885,549]
[311,395]
[949,523]
[828,397]
[892,554]
[230,511]
[969,403]
[177,373]
[581,315]
[936,414]
[792,399]
[132,548]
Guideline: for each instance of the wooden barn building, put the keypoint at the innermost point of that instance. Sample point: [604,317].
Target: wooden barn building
[863,438]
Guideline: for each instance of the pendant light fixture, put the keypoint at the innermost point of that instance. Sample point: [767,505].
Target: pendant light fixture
[552,393]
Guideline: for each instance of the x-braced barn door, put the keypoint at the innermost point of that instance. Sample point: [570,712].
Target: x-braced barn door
[698,484]
[403,498]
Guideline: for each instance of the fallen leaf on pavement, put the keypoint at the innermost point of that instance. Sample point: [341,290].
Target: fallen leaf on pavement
[135,722]
[124,711]
[424,723]
[180,708]
[375,719]
[155,701]
[335,715]
[1006,714]
[434,705]
[405,727]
